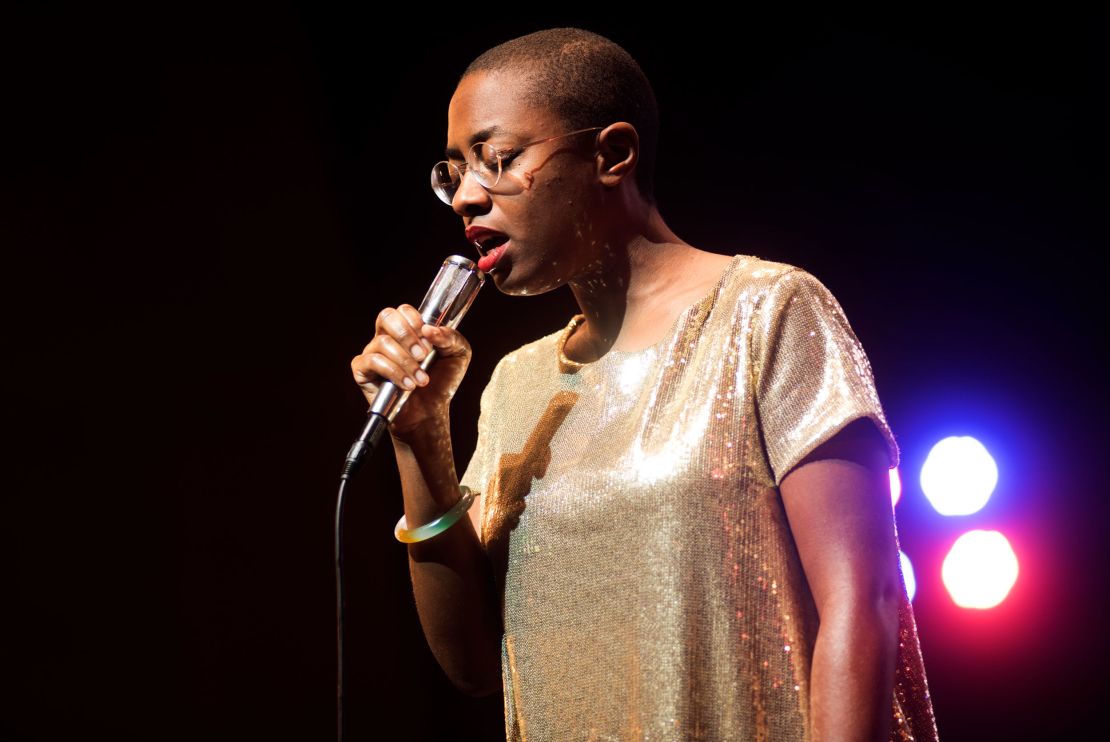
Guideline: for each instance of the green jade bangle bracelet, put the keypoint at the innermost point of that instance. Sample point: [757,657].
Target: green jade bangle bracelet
[408,535]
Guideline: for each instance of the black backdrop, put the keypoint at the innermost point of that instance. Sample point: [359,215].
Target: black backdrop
[207,208]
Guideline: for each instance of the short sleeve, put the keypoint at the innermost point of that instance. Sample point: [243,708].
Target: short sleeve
[812,376]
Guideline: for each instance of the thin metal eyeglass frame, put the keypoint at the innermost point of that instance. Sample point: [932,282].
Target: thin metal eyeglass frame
[462,170]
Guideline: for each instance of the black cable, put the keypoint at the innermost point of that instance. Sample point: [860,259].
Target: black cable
[339,607]
[447,300]
[372,434]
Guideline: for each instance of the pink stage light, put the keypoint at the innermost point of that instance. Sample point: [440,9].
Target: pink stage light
[980,569]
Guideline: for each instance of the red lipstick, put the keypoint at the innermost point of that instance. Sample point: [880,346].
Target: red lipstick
[487,262]
[491,245]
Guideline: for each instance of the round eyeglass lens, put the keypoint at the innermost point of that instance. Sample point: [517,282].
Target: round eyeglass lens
[445,181]
[483,160]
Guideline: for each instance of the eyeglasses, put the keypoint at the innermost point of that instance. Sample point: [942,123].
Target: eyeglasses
[485,162]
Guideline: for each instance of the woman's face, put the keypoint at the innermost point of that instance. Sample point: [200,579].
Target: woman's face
[548,195]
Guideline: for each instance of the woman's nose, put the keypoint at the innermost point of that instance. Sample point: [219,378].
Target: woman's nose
[470,195]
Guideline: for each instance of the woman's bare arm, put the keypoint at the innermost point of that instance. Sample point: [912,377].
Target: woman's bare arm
[838,503]
[451,576]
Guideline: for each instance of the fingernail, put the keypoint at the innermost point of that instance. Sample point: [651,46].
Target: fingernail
[417,351]
[408,383]
[421,376]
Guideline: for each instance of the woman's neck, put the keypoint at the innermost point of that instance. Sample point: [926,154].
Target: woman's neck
[637,281]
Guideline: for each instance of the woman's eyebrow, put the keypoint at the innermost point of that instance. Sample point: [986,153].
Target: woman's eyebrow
[478,136]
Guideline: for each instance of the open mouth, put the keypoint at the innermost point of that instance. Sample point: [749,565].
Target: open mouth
[490,242]
[491,251]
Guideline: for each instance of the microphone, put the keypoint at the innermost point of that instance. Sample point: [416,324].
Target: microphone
[450,295]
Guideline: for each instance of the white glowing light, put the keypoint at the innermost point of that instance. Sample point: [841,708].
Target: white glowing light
[907,574]
[895,486]
[959,476]
[980,569]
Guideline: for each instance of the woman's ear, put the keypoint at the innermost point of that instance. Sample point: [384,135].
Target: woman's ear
[618,151]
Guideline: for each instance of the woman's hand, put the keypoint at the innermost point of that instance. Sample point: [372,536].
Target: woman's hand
[401,342]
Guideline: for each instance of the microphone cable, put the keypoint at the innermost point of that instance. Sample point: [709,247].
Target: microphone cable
[339,607]
[447,300]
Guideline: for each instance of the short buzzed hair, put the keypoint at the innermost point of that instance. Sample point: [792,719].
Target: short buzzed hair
[586,80]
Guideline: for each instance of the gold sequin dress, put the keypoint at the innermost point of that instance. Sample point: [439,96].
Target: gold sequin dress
[651,586]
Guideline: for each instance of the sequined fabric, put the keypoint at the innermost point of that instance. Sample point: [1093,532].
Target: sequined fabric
[651,587]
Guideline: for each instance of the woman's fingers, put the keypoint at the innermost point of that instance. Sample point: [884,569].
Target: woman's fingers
[404,324]
[397,349]
[405,360]
[385,359]
[448,342]
[401,342]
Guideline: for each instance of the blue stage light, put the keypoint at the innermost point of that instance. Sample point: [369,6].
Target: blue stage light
[907,574]
[959,476]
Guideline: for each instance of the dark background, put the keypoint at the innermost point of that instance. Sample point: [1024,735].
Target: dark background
[209,206]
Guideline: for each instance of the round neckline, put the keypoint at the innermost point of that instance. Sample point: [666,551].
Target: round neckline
[570,366]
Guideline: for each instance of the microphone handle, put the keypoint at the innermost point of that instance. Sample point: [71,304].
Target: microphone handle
[449,297]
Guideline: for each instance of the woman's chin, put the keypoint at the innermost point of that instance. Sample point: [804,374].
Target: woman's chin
[513,283]
[506,285]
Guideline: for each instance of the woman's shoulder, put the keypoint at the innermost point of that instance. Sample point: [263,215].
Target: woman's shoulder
[716,276]
[751,274]
[754,269]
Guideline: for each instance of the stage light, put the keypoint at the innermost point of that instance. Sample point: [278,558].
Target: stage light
[895,486]
[907,574]
[980,569]
[959,476]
